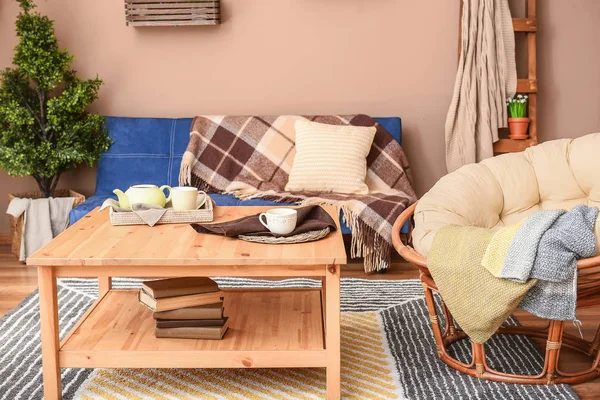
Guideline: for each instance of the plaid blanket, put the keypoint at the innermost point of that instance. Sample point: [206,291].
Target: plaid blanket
[251,156]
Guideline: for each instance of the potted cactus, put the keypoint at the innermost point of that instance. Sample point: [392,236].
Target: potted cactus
[518,122]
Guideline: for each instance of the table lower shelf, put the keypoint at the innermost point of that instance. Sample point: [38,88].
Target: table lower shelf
[267,328]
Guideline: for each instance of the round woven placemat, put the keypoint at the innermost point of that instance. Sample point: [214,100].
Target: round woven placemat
[301,238]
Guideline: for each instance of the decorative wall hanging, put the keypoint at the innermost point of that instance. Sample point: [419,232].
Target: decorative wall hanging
[172,12]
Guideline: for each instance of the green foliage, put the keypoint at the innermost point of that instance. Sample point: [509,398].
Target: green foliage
[44,127]
[517,107]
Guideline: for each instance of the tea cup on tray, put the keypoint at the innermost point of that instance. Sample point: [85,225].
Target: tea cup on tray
[280,221]
[185,198]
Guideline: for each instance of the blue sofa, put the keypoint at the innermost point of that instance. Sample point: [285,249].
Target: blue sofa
[149,150]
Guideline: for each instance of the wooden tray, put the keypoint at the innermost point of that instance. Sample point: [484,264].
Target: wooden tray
[205,214]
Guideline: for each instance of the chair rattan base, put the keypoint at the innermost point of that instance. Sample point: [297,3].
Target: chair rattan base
[588,295]
[479,368]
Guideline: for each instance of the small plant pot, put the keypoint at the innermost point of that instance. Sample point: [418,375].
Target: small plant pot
[518,128]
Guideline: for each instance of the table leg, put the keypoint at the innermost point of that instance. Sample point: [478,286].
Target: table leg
[324,302]
[49,330]
[104,285]
[332,333]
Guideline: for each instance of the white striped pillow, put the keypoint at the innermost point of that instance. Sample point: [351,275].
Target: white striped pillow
[330,158]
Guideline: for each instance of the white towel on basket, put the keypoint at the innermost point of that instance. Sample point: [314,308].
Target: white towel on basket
[44,220]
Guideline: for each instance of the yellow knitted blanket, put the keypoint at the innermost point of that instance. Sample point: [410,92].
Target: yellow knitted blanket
[493,259]
[479,301]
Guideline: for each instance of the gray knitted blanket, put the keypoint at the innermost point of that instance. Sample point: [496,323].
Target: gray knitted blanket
[546,247]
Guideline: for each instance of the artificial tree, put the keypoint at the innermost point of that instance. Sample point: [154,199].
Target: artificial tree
[44,127]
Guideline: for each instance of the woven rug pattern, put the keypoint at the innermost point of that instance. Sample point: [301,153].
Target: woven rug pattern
[387,353]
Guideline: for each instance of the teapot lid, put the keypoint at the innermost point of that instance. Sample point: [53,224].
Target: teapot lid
[144,186]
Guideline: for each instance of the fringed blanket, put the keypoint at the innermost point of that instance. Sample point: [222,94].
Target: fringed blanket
[251,156]
[486,76]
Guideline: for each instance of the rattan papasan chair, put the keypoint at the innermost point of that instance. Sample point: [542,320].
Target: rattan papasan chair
[499,191]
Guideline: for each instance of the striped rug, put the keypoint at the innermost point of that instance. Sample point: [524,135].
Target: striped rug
[387,353]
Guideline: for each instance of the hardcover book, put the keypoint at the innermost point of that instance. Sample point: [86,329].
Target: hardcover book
[206,332]
[208,311]
[173,303]
[179,287]
[182,323]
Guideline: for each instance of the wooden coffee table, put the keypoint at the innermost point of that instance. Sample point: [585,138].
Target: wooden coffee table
[282,328]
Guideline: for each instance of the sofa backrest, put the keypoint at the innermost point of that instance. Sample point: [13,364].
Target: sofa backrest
[149,150]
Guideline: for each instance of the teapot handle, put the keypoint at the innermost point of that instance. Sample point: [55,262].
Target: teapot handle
[162,188]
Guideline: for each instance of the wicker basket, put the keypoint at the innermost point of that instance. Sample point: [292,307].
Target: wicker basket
[205,214]
[310,236]
[16,224]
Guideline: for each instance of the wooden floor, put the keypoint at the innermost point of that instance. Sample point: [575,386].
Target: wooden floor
[17,281]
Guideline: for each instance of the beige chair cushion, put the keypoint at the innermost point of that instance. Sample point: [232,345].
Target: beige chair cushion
[503,190]
[330,158]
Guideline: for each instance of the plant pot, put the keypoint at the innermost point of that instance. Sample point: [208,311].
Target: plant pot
[518,128]
[16,224]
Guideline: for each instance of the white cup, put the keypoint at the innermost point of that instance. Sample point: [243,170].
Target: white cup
[280,221]
[184,198]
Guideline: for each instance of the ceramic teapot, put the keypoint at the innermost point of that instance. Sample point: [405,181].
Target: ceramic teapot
[147,194]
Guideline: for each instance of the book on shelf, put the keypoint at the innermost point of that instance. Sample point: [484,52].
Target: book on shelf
[191,323]
[207,311]
[172,287]
[205,332]
[173,303]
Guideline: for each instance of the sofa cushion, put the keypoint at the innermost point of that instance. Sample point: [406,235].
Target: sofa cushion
[88,205]
[330,158]
[504,190]
[145,150]
[393,125]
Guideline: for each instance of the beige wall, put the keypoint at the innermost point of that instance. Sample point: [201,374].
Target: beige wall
[381,57]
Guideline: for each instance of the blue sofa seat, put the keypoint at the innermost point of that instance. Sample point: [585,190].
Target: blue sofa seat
[149,150]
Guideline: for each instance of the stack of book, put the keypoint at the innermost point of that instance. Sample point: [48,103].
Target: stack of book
[185,308]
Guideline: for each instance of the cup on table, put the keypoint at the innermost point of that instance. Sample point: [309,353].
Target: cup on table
[185,198]
[280,221]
